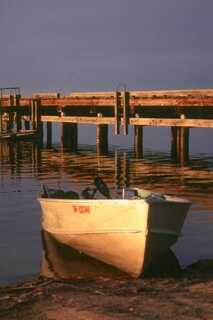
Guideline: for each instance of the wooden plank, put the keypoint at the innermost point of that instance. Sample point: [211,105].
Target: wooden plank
[79,102]
[23,102]
[86,120]
[172,93]
[171,102]
[86,94]
[193,123]
[46,95]
[138,100]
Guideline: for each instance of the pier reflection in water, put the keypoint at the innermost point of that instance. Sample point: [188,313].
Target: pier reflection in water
[25,166]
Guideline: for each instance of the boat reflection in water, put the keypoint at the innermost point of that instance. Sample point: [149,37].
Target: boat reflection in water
[62,262]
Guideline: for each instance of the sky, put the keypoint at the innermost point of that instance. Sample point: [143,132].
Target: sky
[71,45]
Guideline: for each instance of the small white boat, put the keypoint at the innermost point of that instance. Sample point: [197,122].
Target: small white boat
[128,234]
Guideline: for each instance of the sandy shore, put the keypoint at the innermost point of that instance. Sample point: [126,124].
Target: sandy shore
[185,295]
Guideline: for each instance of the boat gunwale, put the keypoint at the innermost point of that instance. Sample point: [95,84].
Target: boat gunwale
[161,231]
[168,200]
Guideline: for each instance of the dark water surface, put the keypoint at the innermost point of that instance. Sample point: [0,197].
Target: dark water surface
[25,166]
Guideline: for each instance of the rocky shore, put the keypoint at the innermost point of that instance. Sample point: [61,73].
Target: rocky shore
[187,294]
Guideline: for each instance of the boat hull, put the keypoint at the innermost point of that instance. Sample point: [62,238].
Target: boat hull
[127,234]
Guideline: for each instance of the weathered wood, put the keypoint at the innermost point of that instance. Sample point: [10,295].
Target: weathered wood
[117,105]
[40,125]
[1,124]
[10,121]
[18,122]
[196,123]
[49,134]
[26,124]
[138,141]
[172,102]
[172,93]
[181,109]
[180,144]
[82,120]
[46,95]
[87,94]
[102,138]
[32,114]
[69,136]
[162,98]
[125,112]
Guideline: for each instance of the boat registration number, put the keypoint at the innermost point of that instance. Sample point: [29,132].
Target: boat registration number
[81,209]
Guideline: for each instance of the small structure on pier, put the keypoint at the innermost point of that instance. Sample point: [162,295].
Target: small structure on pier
[13,116]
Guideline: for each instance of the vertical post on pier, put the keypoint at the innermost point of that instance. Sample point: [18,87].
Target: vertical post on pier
[126,98]
[138,141]
[180,144]
[32,107]
[49,134]
[183,144]
[116,111]
[18,116]
[26,123]
[102,138]
[69,136]
[10,114]
[64,134]
[39,123]
[0,111]
[1,129]
[10,121]
[174,143]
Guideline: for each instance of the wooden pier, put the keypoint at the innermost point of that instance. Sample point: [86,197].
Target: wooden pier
[178,109]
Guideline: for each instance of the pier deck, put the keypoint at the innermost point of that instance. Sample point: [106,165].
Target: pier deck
[178,109]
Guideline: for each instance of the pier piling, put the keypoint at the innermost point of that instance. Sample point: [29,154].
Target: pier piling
[102,138]
[69,136]
[180,144]
[16,104]
[49,134]
[138,141]
[126,99]
[117,107]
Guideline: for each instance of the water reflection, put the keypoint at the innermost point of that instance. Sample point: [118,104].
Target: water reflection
[25,166]
[61,261]
[119,168]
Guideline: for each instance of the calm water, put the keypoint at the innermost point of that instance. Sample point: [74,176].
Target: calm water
[24,167]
